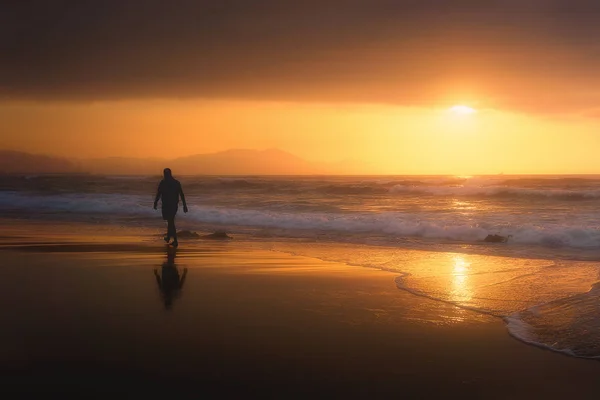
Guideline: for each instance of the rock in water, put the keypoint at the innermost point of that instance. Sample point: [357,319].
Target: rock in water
[218,235]
[496,238]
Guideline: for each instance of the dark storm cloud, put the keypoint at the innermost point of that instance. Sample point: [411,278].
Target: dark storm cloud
[530,55]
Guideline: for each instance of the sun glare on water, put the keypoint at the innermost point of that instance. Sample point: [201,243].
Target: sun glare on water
[462,109]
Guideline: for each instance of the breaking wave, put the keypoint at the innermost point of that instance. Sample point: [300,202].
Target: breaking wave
[388,224]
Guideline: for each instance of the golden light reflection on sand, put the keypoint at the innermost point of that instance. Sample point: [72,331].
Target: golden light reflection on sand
[461,291]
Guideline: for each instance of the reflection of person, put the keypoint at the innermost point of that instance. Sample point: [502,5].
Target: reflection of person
[169,190]
[170,283]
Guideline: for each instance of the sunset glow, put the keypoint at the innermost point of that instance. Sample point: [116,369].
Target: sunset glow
[417,97]
[373,138]
[462,110]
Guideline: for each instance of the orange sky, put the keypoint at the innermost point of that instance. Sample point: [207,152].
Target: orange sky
[391,139]
[368,80]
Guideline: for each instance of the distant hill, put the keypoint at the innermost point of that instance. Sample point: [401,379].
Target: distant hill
[123,166]
[16,162]
[245,162]
[229,162]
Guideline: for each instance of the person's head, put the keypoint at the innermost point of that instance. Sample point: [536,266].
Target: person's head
[167,173]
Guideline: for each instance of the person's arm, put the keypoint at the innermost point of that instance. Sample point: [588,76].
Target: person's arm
[185,209]
[158,194]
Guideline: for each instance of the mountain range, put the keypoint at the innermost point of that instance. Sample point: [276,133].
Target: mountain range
[229,162]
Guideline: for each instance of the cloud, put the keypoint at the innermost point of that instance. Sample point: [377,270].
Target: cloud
[538,56]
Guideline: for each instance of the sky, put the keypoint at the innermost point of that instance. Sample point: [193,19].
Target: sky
[370,80]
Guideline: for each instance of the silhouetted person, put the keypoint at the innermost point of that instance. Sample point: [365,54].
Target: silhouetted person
[170,284]
[169,190]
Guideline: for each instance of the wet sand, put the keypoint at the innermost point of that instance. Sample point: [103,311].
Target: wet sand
[87,315]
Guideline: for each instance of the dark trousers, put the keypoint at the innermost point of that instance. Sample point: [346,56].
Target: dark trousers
[171,231]
[168,214]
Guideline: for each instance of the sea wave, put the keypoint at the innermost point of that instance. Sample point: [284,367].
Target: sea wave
[569,325]
[567,188]
[498,192]
[392,225]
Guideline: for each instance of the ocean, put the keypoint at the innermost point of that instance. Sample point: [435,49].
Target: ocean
[543,282]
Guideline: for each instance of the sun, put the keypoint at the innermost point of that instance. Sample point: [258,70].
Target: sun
[461,109]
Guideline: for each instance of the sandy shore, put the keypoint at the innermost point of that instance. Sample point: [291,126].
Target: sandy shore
[84,313]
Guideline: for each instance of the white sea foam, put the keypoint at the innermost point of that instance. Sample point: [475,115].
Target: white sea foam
[569,325]
[393,224]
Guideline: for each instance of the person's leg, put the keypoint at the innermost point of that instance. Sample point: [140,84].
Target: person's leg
[174,232]
[170,227]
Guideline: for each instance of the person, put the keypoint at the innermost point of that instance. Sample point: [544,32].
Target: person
[169,190]
[170,283]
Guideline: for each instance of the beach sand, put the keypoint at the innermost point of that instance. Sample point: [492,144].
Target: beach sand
[82,312]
